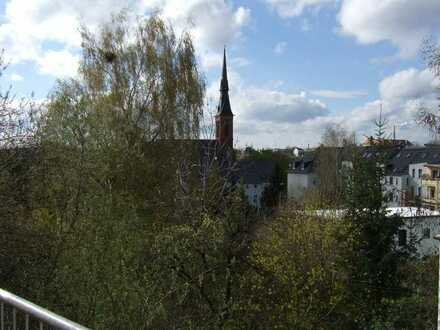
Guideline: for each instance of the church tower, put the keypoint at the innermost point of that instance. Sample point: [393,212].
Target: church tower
[224,119]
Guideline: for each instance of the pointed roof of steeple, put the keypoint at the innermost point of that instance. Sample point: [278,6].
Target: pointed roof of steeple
[224,86]
[224,107]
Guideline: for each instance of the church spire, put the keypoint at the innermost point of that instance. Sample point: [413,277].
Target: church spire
[224,119]
[224,86]
[224,107]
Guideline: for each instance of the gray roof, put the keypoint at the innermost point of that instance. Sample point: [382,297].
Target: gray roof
[305,165]
[255,171]
[397,158]
[399,164]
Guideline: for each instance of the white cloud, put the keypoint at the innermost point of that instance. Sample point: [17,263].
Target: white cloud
[58,63]
[213,23]
[403,23]
[35,30]
[332,94]
[280,48]
[402,96]
[39,30]
[290,8]
[408,84]
[15,77]
[265,115]
[274,106]
[211,60]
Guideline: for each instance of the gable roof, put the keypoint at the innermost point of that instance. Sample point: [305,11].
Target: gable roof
[256,171]
[399,164]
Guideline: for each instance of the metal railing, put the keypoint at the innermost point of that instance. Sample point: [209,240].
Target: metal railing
[34,317]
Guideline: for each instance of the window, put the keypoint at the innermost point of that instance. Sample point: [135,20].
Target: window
[407,181]
[435,174]
[432,192]
[391,180]
[426,233]
[419,191]
[413,173]
[402,237]
[420,172]
[397,181]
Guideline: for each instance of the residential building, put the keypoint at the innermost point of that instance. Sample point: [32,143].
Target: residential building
[431,186]
[256,176]
[420,225]
[410,174]
[301,176]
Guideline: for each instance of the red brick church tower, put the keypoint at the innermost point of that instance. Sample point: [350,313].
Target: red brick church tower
[224,118]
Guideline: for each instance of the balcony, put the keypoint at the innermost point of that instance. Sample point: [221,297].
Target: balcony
[18,313]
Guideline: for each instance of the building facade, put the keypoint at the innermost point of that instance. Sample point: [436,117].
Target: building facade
[301,176]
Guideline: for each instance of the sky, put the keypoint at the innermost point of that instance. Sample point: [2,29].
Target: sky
[295,66]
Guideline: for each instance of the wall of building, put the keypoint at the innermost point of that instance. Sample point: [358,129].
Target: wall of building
[254,193]
[423,229]
[415,172]
[297,184]
[395,188]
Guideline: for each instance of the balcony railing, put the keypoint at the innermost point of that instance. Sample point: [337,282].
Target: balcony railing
[17,313]
[430,177]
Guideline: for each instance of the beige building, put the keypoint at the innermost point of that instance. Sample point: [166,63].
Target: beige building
[431,187]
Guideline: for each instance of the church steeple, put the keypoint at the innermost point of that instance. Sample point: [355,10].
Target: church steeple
[224,85]
[224,117]
[224,107]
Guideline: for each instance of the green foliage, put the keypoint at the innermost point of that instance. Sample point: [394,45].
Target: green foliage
[295,281]
[371,253]
[115,221]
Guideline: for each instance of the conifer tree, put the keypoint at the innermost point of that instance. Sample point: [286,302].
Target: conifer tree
[372,253]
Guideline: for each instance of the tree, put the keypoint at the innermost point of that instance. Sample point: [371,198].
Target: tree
[106,183]
[295,281]
[429,117]
[23,247]
[372,255]
[336,146]
[381,127]
[148,231]
[337,136]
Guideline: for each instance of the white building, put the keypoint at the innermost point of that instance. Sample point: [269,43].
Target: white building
[420,226]
[256,176]
[405,172]
[301,177]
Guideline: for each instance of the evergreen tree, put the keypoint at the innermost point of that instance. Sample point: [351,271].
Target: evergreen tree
[372,255]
